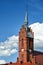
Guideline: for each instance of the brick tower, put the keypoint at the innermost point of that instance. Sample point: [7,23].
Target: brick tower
[26,45]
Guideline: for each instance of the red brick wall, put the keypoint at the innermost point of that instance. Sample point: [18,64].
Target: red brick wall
[26,40]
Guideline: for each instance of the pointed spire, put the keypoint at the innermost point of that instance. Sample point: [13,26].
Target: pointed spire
[26,17]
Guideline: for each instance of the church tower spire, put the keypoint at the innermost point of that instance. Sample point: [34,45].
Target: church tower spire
[25,41]
[26,17]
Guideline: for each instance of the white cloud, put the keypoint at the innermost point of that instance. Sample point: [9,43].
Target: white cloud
[2,61]
[13,51]
[38,35]
[9,46]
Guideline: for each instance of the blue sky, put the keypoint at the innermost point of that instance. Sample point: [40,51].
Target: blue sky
[12,15]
